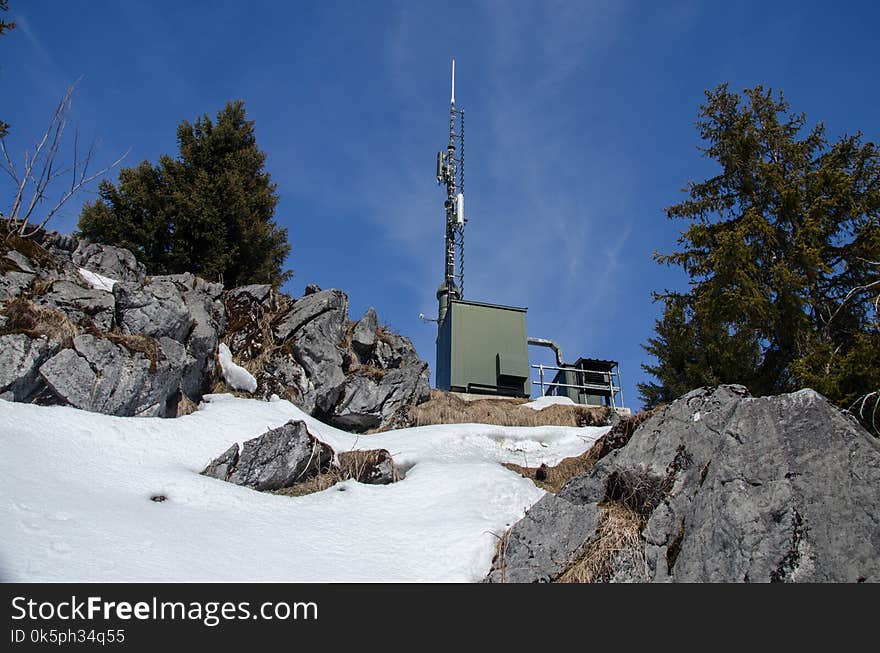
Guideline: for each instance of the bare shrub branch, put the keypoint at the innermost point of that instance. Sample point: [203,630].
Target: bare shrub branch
[41,167]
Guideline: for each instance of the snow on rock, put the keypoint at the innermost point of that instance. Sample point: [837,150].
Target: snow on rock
[542,402]
[236,376]
[97,281]
[75,499]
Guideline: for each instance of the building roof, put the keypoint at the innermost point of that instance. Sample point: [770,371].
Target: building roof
[487,305]
[589,363]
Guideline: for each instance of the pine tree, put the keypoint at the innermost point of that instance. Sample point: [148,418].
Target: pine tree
[691,353]
[209,212]
[781,251]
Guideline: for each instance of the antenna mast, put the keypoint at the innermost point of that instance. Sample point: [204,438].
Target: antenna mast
[450,171]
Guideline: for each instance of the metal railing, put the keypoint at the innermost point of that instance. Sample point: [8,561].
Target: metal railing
[610,388]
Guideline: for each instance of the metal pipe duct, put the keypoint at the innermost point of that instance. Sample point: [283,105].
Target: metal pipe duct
[552,344]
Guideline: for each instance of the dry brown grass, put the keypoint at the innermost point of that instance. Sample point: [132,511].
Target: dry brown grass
[256,322]
[40,287]
[383,333]
[8,265]
[33,251]
[353,364]
[552,479]
[357,465]
[353,465]
[145,345]
[23,316]
[618,540]
[325,479]
[447,408]
[185,406]
[620,433]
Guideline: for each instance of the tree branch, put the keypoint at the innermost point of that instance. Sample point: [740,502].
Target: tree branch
[41,169]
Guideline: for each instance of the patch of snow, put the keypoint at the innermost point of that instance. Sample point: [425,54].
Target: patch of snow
[697,416]
[97,281]
[75,499]
[542,402]
[236,376]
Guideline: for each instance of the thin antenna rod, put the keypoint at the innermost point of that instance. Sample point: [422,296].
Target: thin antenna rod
[452,101]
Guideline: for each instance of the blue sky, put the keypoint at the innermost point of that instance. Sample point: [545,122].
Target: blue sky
[580,130]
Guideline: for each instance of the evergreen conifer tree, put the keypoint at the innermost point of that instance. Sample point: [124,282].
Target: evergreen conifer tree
[782,249]
[209,211]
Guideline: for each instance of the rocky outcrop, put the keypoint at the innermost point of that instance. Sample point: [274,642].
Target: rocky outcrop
[385,375]
[143,343]
[363,336]
[289,455]
[82,305]
[14,283]
[182,307]
[726,488]
[371,400]
[313,328]
[274,460]
[100,375]
[108,261]
[154,310]
[20,360]
[130,351]
[355,375]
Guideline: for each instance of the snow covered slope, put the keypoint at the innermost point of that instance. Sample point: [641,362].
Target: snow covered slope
[75,504]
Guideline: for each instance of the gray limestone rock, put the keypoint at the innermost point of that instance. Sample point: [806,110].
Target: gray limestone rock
[280,457]
[153,310]
[735,489]
[109,261]
[21,261]
[259,293]
[316,349]
[20,360]
[284,377]
[13,283]
[315,327]
[101,376]
[395,350]
[541,546]
[182,307]
[80,304]
[364,334]
[366,403]
[223,466]
[307,358]
[330,305]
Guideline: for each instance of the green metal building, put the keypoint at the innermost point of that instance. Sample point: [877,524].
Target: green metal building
[481,348]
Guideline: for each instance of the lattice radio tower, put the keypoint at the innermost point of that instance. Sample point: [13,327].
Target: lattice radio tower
[450,171]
